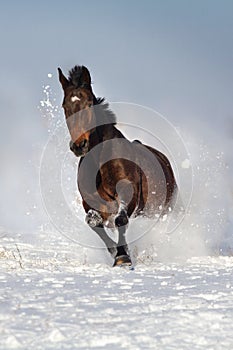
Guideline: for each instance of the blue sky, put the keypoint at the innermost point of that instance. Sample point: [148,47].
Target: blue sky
[174,56]
[150,52]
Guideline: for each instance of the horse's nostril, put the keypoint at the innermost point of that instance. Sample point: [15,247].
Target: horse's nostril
[83,143]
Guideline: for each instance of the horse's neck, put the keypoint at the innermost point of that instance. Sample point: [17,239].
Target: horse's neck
[104,133]
[110,132]
[105,121]
[97,140]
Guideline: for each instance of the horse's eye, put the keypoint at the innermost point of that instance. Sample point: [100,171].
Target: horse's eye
[75,98]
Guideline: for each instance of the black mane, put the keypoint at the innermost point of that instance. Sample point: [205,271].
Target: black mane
[103,112]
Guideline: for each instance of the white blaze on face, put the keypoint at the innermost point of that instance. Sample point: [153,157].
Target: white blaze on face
[75,98]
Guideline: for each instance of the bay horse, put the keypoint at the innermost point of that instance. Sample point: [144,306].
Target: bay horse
[117,178]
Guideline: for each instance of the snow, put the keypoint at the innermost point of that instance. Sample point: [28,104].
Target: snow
[51,298]
[185,164]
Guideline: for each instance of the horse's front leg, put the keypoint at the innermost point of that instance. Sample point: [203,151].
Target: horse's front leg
[110,244]
[121,222]
[127,198]
[95,222]
[120,251]
[93,218]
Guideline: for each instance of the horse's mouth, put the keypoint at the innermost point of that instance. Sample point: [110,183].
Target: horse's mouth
[78,151]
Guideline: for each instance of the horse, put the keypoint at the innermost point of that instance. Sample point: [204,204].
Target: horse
[117,178]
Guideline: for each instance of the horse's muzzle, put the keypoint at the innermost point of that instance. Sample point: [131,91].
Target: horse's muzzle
[81,149]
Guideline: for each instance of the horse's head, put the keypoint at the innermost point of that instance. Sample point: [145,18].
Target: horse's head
[77,104]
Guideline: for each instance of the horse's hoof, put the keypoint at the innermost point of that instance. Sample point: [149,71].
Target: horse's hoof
[121,219]
[93,218]
[122,260]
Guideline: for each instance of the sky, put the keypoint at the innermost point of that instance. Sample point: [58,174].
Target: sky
[173,56]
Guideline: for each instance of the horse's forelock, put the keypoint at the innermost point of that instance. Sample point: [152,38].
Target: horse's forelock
[75,75]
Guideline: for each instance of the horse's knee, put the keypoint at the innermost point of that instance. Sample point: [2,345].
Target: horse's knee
[121,219]
[93,218]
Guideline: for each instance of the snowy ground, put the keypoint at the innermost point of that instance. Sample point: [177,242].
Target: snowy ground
[56,294]
[52,298]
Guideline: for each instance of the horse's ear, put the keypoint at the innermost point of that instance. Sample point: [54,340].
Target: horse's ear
[86,77]
[63,80]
